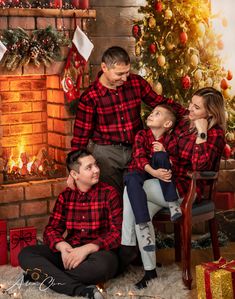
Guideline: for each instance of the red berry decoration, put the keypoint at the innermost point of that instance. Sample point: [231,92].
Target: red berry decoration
[224,84]
[136,31]
[186,82]
[229,75]
[227,151]
[152,48]
[183,38]
[69,83]
[158,6]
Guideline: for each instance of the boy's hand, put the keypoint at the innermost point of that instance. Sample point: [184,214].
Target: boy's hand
[162,174]
[158,146]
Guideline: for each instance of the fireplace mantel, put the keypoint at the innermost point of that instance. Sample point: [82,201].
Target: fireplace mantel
[37,12]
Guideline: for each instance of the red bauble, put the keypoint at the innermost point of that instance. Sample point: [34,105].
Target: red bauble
[152,48]
[227,151]
[186,82]
[70,95]
[136,31]
[69,83]
[158,6]
[183,37]
[229,75]
[224,84]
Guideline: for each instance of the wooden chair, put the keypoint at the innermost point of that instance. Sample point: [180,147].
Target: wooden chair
[193,213]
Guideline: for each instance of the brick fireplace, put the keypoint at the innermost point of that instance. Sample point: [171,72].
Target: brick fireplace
[34,117]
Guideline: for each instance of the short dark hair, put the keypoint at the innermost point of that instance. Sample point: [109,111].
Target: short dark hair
[171,112]
[73,158]
[115,55]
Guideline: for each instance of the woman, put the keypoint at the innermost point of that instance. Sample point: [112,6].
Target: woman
[200,140]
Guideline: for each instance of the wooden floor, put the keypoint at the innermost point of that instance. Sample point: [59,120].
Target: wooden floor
[166,256]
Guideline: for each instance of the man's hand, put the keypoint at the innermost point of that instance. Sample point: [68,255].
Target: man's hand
[70,182]
[158,147]
[77,255]
[64,249]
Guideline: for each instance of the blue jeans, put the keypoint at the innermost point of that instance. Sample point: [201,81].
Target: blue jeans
[134,182]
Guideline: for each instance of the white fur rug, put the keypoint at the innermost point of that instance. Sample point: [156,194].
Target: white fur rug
[168,285]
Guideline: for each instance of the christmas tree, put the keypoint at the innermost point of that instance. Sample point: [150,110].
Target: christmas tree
[177,51]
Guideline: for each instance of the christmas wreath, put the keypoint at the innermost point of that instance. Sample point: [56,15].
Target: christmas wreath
[42,46]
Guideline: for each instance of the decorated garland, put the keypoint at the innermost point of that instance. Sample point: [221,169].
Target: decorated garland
[41,47]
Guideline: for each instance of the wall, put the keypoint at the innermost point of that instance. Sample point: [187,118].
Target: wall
[113,26]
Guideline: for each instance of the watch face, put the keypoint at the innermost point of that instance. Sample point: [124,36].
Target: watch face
[203,136]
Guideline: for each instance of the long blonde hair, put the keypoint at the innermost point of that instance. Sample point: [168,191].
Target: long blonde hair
[214,105]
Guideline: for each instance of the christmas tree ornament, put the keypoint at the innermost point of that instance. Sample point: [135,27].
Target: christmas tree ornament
[198,75]
[229,75]
[186,82]
[183,37]
[194,60]
[168,14]
[226,93]
[76,61]
[170,46]
[136,31]
[161,60]
[137,50]
[152,22]
[158,6]
[158,88]
[225,22]
[152,48]
[75,3]
[224,84]
[58,4]
[201,29]
[209,82]
[227,151]
[220,44]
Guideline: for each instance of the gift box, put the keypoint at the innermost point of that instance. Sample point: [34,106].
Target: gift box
[224,200]
[3,242]
[20,237]
[216,280]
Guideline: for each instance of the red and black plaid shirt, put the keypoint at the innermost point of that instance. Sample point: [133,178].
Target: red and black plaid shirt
[91,217]
[192,156]
[113,116]
[143,148]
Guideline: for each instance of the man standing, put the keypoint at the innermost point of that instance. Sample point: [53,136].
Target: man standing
[82,235]
[108,114]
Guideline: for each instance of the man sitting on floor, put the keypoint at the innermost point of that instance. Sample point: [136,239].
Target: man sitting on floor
[91,216]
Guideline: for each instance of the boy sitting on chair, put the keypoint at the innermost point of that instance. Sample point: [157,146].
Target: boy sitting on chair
[150,160]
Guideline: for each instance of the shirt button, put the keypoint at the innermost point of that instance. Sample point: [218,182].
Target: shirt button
[83,217]
[124,130]
[120,106]
[82,229]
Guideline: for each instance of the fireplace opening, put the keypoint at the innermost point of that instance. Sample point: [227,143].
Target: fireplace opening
[35,126]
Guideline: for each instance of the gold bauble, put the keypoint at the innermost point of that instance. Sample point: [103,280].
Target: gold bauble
[198,75]
[209,82]
[194,60]
[161,60]
[152,22]
[170,46]
[168,14]
[226,94]
[137,50]
[158,88]
[201,29]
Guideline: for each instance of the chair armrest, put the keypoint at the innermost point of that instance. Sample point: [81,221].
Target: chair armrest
[203,175]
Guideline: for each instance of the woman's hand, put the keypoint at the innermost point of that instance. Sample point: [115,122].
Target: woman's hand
[201,125]
[158,147]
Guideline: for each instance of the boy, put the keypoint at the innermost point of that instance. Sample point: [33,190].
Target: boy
[150,160]
[91,216]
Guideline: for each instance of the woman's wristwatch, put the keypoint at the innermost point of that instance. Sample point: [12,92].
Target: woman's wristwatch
[202,135]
